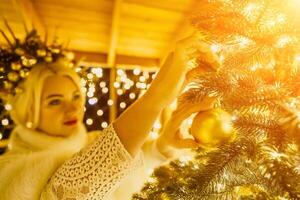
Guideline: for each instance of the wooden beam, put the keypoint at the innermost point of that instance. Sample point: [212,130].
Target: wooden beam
[112,58]
[132,60]
[114,32]
[101,59]
[30,15]
[92,57]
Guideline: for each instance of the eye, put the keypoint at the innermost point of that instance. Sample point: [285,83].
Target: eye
[76,97]
[54,102]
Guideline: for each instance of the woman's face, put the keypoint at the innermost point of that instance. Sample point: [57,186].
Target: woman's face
[62,106]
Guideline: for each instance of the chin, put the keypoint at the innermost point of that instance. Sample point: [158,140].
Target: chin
[67,131]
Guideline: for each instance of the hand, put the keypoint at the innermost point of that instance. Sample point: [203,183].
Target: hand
[172,75]
[195,46]
[171,136]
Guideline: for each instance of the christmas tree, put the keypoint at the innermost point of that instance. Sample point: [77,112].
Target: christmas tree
[258,84]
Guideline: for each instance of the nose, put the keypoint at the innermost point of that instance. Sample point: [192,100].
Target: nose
[71,107]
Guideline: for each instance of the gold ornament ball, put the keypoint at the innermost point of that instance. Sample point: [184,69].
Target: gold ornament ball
[16,66]
[213,127]
[13,76]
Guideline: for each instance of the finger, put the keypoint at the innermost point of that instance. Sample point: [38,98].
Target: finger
[185,143]
[188,108]
[195,72]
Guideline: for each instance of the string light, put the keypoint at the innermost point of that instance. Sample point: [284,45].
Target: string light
[146,74]
[110,102]
[8,107]
[104,90]
[93,101]
[123,79]
[127,86]
[142,79]
[122,105]
[90,76]
[120,72]
[120,91]
[83,82]
[136,71]
[117,84]
[132,95]
[141,85]
[90,94]
[97,72]
[104,124]
[89,121]
[100,112]
[5,122]
[102,84]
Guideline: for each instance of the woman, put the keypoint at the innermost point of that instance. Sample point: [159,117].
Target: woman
[50,156]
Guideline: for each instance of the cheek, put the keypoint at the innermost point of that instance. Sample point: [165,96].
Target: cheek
[81,112]
[80,107]
[52,115]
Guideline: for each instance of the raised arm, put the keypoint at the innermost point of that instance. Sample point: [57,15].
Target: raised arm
[135,123]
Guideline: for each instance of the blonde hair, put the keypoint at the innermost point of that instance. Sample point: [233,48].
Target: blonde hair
[26,104]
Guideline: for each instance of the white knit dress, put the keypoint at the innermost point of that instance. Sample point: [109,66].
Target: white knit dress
[57,171]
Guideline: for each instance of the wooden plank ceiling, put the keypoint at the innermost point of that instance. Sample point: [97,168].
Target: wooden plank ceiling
[106,31]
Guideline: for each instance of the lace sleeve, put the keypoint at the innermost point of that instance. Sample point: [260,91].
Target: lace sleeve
[94,172]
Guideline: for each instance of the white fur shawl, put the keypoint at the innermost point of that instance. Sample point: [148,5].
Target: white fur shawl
[32,159]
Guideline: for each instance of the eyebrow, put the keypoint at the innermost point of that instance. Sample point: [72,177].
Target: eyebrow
[59,95]
[54,95]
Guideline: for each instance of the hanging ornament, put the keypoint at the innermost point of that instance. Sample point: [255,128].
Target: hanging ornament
[16,66]
[41,52]
[8,85]
[24,73]
[213,127]
[55,50]
[13,76]
[19,51]
[18,90]
[48,57]
[28,61]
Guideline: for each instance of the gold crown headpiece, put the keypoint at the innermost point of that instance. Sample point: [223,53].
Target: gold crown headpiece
[18,57]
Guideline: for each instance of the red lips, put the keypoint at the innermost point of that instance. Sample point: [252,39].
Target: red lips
[70,122]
